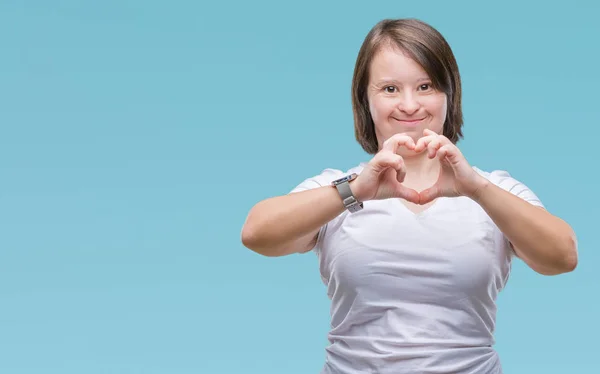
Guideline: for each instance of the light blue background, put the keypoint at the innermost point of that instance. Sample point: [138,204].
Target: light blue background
[136,135]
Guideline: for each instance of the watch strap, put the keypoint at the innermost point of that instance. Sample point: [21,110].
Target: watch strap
[350,202]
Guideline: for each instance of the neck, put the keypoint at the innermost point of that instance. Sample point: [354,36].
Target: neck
[420,168]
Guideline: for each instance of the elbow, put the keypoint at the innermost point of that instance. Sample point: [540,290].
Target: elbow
[568,259]
[252,240]
[571,257]
[251,231]
[250,235]
[247,237]
[564,258]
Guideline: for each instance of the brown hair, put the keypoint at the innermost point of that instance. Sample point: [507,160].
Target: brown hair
[428,48]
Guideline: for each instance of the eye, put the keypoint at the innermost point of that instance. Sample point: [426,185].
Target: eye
[425,87]
[390,89]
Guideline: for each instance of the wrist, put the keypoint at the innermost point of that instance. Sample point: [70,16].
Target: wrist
[357,191]
[347,193]
[481,186]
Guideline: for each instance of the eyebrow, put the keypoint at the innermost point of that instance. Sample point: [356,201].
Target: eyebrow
[391,80]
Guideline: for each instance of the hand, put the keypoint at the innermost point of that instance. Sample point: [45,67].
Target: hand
[457,177]
[382,177]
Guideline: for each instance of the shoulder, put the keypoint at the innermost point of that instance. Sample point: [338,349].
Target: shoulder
[506,181]
[494,175]
[501,178]
[325,177]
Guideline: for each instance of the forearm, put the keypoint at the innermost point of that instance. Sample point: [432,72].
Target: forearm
[278,222]
[544,241]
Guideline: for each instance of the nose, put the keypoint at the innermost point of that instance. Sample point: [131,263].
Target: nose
[408,103]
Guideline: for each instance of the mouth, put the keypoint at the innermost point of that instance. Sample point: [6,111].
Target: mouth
[409,122]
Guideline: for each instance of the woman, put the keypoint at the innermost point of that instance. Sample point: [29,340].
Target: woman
[414,245]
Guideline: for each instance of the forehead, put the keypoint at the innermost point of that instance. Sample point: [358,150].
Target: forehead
[393,63]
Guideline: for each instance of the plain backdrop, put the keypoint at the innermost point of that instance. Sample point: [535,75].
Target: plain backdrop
[136,135]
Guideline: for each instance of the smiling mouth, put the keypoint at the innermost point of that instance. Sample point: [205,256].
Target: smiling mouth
[409,121]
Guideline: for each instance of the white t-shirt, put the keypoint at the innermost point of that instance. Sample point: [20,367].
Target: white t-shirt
[414,292]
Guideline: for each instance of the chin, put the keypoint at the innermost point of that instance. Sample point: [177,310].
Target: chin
[415,132]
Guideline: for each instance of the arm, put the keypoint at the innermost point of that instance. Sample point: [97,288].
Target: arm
[543,241]
[289,224]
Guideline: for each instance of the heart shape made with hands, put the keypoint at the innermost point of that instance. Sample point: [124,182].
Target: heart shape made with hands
[456,176]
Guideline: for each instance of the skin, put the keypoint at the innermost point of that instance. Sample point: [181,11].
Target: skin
[418,164]
[400,92]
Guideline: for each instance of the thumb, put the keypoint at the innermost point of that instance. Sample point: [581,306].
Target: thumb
[450,154]
[429,194]
[408,194]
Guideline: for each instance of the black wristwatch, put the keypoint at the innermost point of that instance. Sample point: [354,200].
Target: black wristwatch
[345,192]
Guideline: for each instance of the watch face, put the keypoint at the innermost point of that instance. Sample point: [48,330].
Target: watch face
[347,178]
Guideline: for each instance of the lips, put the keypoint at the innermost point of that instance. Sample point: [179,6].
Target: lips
[409,122]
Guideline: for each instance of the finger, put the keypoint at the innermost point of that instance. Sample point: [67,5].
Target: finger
[433,147]
[396,162]
[408,194]
[444,140]
[429,132]
[401,171]
[398,140]
[429,194]
[423,142]
[384,160]
[448,152]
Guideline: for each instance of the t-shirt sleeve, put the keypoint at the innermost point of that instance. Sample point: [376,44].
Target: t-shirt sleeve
[504,180]
[323,179]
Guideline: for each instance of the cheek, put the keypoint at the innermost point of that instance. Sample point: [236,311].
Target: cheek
[444,107]
[380,109]
[438,106]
